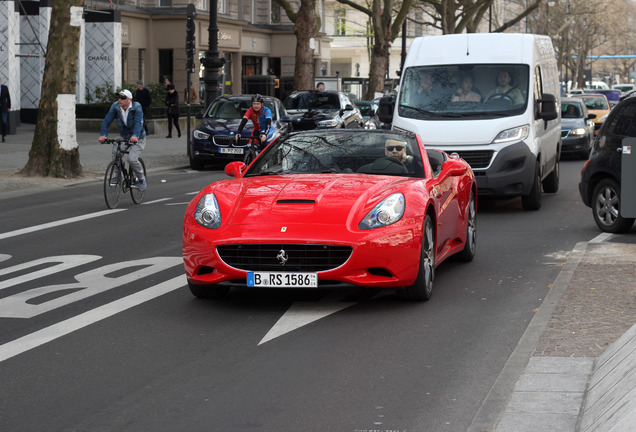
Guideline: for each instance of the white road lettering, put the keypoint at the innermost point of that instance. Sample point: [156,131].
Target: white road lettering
[62,262]
[33,340]
[26,304]
[57,223]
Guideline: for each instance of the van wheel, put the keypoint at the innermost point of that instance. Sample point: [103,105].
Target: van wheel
[606,207]
[532,201]
[551,182]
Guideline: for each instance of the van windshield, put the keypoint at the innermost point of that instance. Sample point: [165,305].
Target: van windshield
[464,91]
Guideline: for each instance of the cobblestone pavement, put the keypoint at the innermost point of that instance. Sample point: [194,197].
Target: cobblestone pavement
[599,305]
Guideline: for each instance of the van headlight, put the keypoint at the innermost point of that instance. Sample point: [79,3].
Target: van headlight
[515,134]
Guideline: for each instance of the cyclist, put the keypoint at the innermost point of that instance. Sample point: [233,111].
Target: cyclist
[130,121]
[261,116]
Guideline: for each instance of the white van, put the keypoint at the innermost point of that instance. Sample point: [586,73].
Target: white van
[511,137]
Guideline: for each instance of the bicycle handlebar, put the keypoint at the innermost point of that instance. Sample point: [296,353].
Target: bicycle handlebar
[116,141]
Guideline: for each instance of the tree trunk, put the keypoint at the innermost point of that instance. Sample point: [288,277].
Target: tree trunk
[48,156]
[304,31]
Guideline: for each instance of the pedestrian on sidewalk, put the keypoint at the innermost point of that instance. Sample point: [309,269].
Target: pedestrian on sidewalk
[144,98]
[172,102]
[5,107]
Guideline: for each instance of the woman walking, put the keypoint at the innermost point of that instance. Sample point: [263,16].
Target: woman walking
[172,102]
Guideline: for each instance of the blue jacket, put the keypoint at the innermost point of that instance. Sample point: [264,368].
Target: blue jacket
[135,121]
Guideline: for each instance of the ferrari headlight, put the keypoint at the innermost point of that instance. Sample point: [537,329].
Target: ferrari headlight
[328,123]
[387,212]
[200,135]
[207,213]
[577,131]
[515,134]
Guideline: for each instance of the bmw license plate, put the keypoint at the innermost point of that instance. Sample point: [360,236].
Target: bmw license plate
[229,150]
[282,280]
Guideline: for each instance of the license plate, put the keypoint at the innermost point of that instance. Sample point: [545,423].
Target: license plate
[231,150]
[282,280]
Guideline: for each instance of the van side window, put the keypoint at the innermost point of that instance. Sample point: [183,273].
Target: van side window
[622,124]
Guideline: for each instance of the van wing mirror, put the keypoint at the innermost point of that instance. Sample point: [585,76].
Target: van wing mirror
[385,110]
[548,110]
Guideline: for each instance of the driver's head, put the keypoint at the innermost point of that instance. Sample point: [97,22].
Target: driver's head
[504,78]
[395,149]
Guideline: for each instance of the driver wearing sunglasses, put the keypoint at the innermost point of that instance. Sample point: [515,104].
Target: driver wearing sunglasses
[397,150]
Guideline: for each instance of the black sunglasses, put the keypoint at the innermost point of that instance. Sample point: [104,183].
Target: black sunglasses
[123,97]
[391,148]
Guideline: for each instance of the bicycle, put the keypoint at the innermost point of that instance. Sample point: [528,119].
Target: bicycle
[253,147]
[119,178]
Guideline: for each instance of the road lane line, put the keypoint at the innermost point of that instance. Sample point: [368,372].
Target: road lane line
[48,334]
[57,223]
[156,201]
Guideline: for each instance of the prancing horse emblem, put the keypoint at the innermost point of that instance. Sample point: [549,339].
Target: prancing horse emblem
[282,257]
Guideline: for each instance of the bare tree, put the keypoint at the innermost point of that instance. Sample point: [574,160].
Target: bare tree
[306,26]
[387,24]
[48,156]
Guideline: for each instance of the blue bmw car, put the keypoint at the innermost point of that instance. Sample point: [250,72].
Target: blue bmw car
[213,139]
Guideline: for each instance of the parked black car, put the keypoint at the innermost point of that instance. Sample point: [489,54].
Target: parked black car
[213,139]
[600,185]
[313,109]
[577,128]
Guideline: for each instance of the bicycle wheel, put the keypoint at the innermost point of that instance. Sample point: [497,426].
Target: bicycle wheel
[249,156]
[112,185]
[135,193]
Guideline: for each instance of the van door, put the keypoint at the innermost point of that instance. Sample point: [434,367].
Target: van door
[546,133]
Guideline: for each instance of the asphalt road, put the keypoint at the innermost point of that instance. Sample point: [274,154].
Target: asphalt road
[98,331]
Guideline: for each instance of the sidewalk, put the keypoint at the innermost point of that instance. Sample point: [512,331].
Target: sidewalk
[574,369]
[159,153]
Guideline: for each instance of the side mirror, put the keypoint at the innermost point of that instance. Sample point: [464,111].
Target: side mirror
[385,110]
[235,169]
[591,116]
[548,109]
[454,167]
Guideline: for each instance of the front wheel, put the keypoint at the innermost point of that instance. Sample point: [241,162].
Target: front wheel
[606,207]
[532,201]
[135,193]
[551,182]
[249,157]
[113,180]
[422,288]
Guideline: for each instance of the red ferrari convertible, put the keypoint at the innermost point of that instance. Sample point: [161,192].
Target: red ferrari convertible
[332,209]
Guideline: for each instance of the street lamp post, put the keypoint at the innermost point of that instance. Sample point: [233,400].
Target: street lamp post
[211,62]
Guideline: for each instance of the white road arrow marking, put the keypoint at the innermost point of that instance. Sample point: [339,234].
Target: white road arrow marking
[301,314]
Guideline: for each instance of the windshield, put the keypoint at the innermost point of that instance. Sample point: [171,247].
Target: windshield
[595,102]
[367,109]
[312,101]
[464,91]
[340,152]
[229,109]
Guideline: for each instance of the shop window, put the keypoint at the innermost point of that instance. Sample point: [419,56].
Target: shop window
[252,65]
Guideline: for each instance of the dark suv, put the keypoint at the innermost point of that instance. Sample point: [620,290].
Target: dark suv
[600,185]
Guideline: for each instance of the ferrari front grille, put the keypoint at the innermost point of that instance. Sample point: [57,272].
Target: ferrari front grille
[288,257]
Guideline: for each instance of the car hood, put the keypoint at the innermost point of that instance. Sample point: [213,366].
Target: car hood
[219,126]
[569,123]
[312,115]
[305,198]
